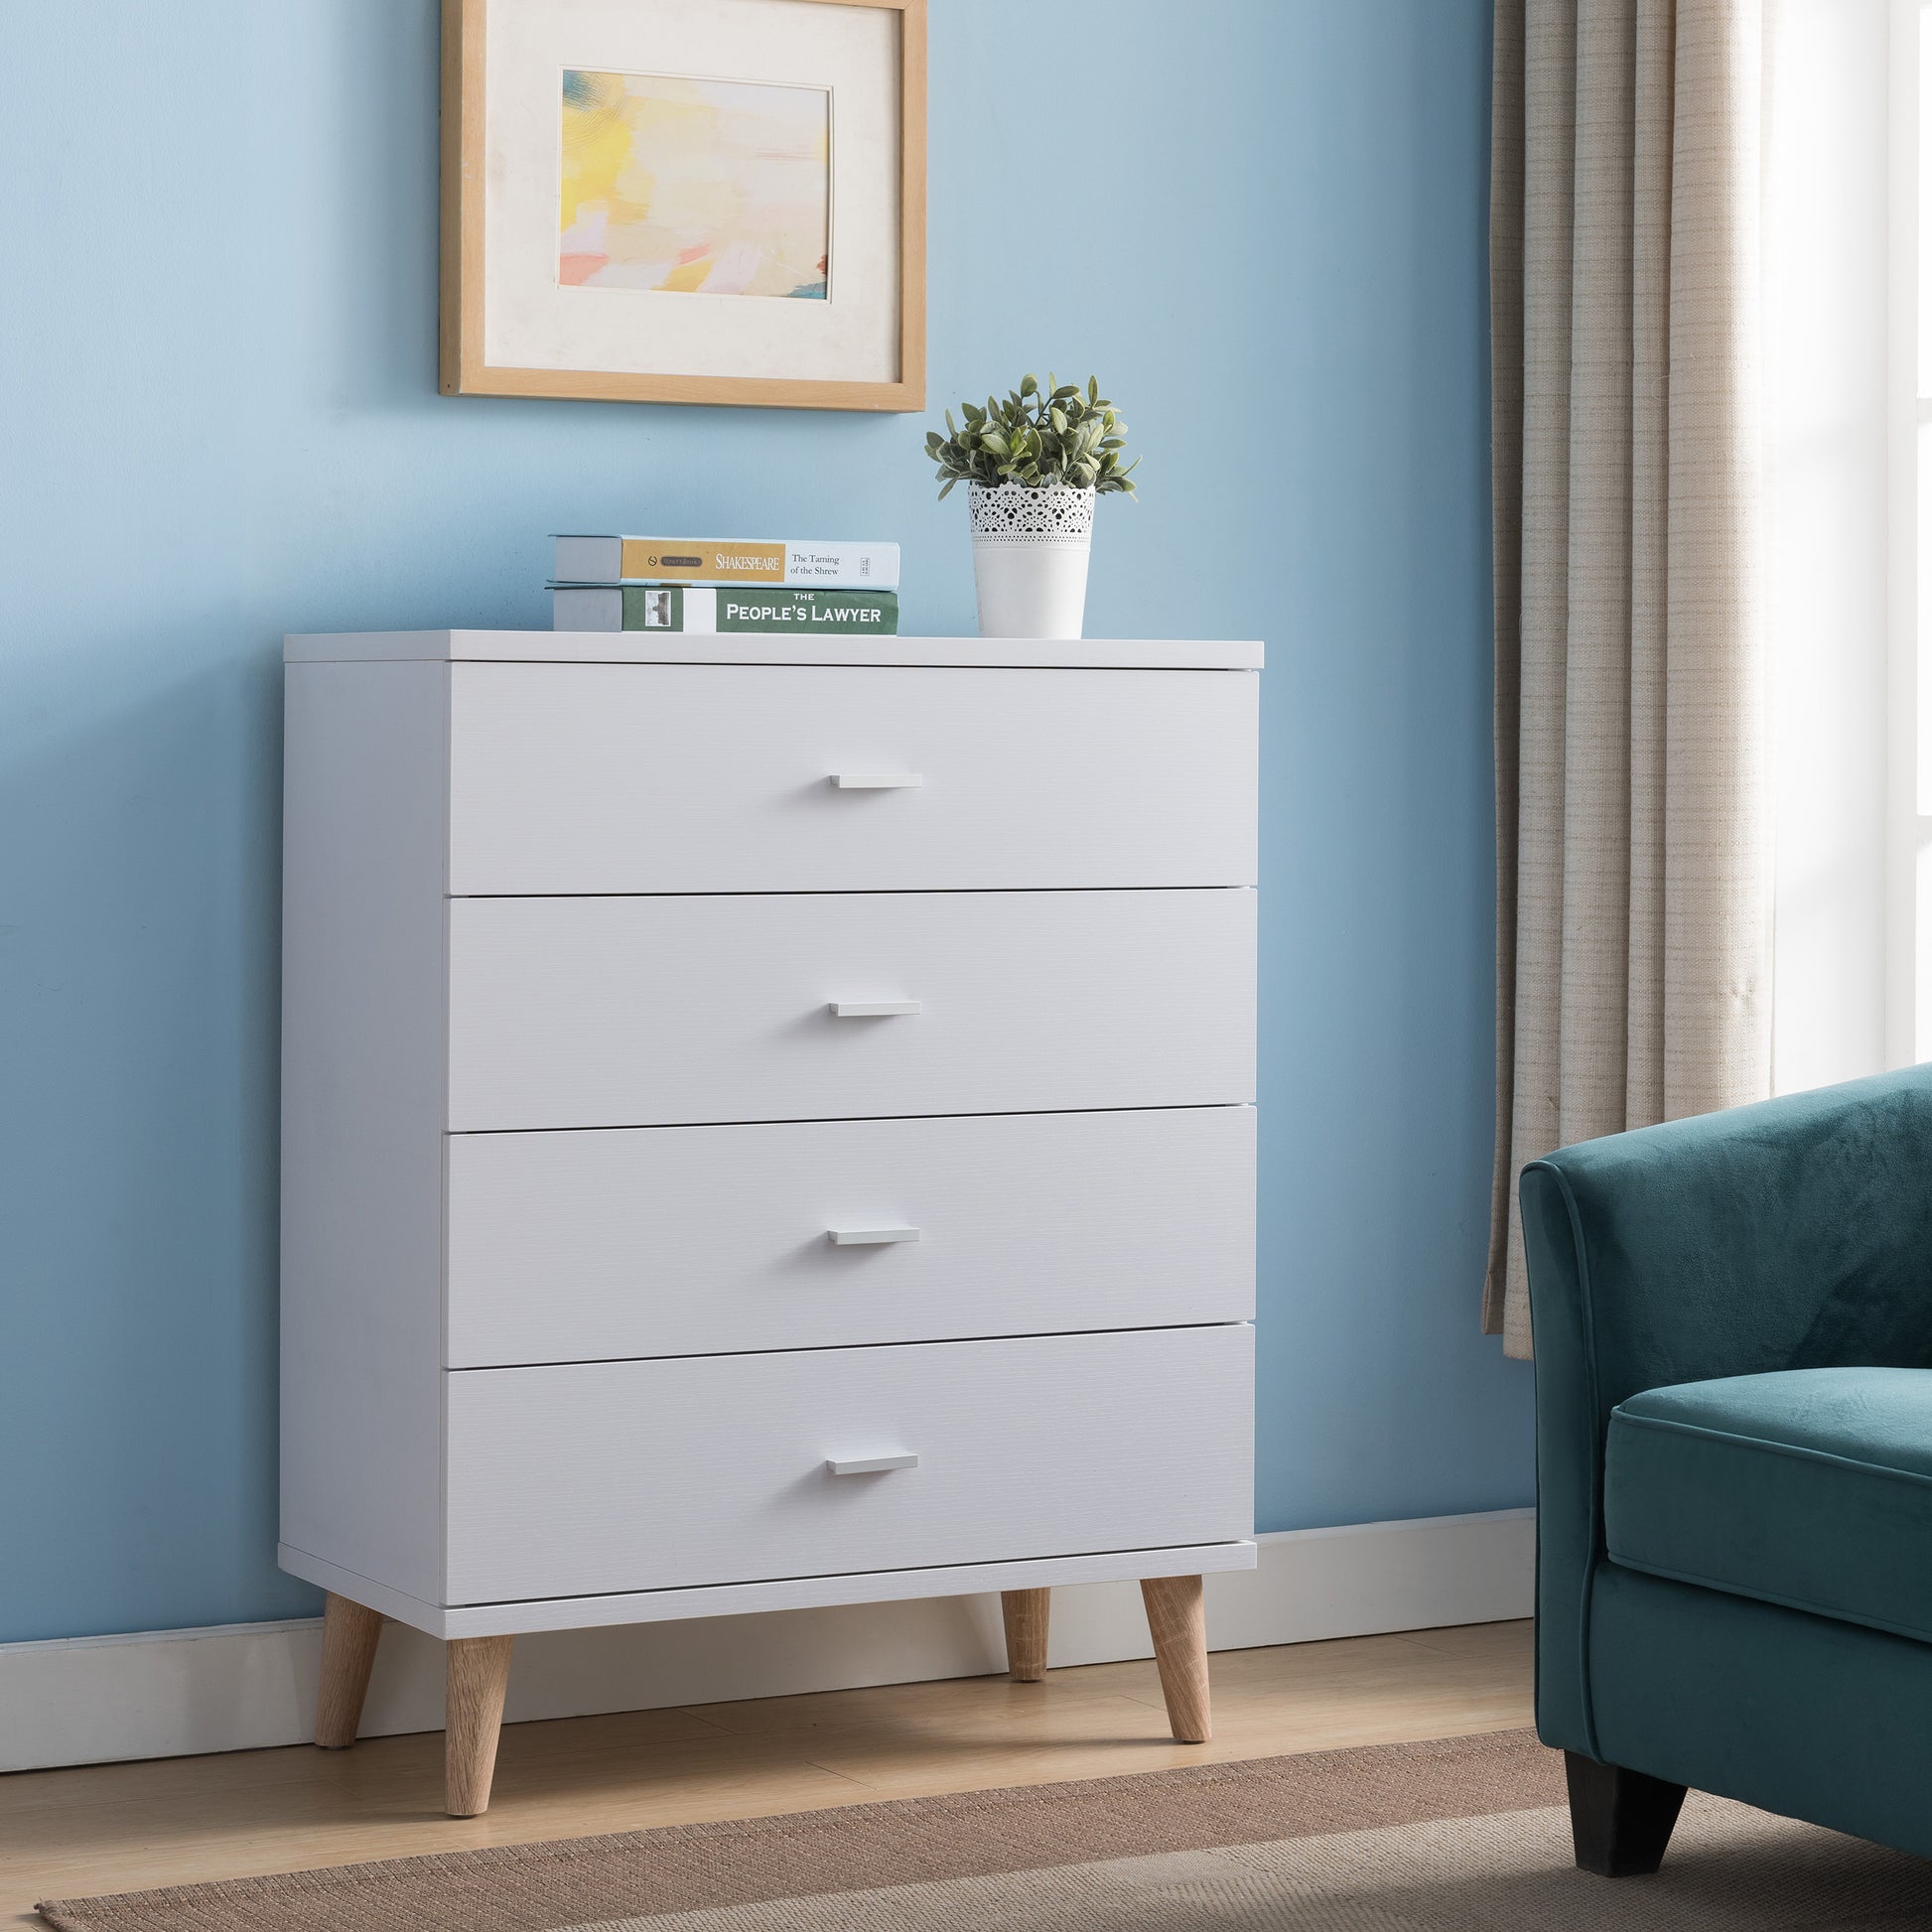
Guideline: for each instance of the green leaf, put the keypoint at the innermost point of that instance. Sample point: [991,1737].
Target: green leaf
[945,489]
[1033,436]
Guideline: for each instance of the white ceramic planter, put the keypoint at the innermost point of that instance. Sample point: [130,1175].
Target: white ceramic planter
[1030,558]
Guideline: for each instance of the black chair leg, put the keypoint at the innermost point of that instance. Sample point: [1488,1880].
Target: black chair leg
[1620,1819]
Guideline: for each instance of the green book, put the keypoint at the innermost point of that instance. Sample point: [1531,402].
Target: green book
[701,612]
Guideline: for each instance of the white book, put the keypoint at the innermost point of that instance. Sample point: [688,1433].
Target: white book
[723,561]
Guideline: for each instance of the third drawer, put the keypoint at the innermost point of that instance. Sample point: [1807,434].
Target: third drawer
[811,1234]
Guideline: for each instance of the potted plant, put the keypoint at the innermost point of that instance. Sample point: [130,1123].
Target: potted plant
[1032,467]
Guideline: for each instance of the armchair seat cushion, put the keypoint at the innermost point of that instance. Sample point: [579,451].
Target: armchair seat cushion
[1807,1487]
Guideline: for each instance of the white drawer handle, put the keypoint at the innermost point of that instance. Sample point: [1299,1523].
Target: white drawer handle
[874,1009]
[875,781]
[866,1466]
[870,1237]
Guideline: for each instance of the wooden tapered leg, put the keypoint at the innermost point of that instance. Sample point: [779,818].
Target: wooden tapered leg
[1026,1613]
[1179,1623]
[349,1639]
[478,1671]
[1621,1821]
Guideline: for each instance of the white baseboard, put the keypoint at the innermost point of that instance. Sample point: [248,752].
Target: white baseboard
[239,1687]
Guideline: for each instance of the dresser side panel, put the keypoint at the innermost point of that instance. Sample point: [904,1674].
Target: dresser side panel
[363,1077]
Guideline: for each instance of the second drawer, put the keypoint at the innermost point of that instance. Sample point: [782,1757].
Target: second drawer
[675,1011]
[711,1240]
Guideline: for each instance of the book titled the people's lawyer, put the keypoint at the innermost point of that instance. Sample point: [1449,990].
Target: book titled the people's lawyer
[711,560]
[700,611]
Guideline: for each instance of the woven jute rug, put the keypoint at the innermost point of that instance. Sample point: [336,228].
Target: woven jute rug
[1466,1834]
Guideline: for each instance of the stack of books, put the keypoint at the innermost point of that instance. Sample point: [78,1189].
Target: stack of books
[706,586]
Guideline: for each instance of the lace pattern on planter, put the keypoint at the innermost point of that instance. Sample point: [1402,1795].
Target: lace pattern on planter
[1012,513]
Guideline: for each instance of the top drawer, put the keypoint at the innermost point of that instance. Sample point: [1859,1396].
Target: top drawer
[722,778]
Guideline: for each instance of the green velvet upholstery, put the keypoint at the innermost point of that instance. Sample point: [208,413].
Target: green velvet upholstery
[1810,1487]
[1792,1235]
[1799,1714]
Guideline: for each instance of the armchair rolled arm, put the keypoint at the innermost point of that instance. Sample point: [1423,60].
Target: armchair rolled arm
[1792,1234]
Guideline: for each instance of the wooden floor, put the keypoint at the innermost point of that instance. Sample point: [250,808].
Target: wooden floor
[123,1827]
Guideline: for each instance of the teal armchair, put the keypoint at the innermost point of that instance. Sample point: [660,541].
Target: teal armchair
[1734,1358]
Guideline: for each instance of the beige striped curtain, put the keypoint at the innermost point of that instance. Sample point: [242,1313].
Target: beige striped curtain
[1633,890]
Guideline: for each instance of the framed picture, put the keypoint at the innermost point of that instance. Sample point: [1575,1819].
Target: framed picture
[685,200]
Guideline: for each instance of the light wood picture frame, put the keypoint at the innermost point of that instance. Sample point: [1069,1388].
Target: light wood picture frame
[514,322]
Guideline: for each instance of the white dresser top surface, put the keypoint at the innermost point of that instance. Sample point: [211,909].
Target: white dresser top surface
[641,647]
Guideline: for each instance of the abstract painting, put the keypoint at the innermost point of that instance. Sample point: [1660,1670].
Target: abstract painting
[695,187]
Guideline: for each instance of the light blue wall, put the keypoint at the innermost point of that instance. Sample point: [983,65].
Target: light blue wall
[1262,222]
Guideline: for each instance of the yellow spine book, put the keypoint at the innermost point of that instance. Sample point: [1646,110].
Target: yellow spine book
[668,559]
[816,566]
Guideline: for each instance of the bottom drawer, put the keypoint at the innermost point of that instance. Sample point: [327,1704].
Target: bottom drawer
[594,1478]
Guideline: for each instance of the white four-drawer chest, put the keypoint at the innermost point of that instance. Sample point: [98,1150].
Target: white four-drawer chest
[767,1122]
